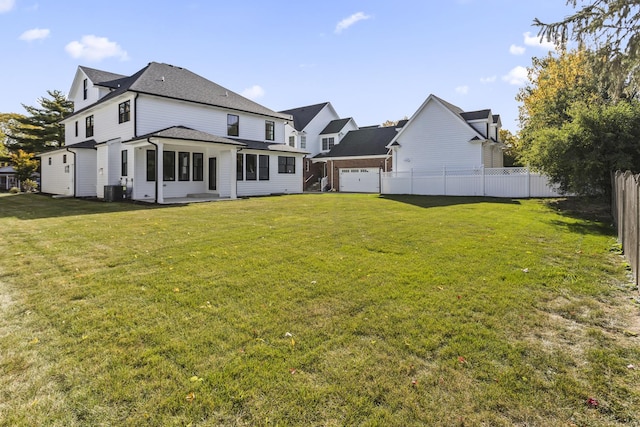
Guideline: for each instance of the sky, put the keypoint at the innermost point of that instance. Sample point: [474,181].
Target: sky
[373,60]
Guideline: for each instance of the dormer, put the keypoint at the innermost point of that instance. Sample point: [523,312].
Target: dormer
[480,120]
[89,85]
[333,133]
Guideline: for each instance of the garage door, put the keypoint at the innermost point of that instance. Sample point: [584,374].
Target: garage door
[360,180]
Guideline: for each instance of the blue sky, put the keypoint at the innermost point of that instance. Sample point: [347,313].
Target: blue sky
[373,60]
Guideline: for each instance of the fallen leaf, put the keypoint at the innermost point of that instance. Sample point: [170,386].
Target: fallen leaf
[176,289]
[190,396]
[593,402]
[525,270]
[292,371]
[288,334]
[462,360]
[34,341]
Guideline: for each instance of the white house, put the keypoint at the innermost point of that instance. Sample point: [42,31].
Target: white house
[316,129]
[167,133]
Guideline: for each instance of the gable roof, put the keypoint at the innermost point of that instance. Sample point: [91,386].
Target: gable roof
[178,83]
[98,77]
[335,126]
[185,133]
[302,116]
[455,110]
[362,142]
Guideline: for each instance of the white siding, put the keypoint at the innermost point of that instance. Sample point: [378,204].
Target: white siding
[102,166]
[278,182]
[158,113]
[436,138]
[57,177]
[85,173]
[317,125]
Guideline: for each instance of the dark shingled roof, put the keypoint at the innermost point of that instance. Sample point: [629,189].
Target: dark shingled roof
[335,126]
[90,143]
[98,77]
[476,115]
[401,123]
[179,83]
[303,115]
[363,142]
[185,133]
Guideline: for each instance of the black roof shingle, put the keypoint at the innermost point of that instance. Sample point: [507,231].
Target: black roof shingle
[302,116]
[363,142]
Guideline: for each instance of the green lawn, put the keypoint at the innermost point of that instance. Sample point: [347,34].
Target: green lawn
[314,310]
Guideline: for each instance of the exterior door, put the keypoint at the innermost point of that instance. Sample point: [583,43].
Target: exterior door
[213,173]
[360,180]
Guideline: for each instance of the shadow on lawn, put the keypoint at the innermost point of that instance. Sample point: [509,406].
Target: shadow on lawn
[594,214]
[38,206]
[440,201]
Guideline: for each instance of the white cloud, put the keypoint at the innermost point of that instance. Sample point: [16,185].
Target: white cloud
[35,34]
[94,48]
[462,90]
[485,80]
[516,50]
[6,5]
[531,40]
[254,92]
[517,76]
[347,22]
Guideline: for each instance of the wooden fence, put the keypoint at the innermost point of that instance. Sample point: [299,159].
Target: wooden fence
[490,182]
[626,216]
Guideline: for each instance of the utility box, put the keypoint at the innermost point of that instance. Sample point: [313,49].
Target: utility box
[113,193]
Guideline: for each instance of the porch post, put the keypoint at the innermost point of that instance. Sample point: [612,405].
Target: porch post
[233,167]
[159,173]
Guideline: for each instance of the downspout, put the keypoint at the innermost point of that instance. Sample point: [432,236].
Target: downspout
[135,115]
[155,196]
[75,174]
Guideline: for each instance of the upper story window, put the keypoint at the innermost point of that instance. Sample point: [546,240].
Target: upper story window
[88,130]
[64,158]
[327,143]
[76,128]
[233,125]
[269,130]
[303,141]
[85,88]
[124,111]
[292,141]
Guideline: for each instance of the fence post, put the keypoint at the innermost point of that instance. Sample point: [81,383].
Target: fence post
[637,222]
[528,182]
[484,192]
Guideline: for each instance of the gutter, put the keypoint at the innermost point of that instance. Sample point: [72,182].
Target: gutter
[155,196]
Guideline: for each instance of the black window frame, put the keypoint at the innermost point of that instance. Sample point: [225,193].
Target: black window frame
[77,128]
[89,125]
[330,143]
[251,167]
[233,125]
[198,166]
[239,167]
[151,165]
[85,89]
[124,111]
[263,167]
[124,163]
[269,130]
[64,159]
[287,164]
[184,167]
[168,166]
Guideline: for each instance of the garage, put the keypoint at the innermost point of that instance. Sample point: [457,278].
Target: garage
[360,180]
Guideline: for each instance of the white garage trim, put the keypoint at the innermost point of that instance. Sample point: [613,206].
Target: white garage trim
[360,180]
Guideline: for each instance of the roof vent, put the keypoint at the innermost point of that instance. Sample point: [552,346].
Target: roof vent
[162,78]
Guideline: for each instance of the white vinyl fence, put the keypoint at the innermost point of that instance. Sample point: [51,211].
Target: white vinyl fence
[489,182]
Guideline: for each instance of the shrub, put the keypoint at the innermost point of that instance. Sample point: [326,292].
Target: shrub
[14,190]
[29,185]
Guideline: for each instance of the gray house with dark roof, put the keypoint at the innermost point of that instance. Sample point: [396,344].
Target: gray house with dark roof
[167,134]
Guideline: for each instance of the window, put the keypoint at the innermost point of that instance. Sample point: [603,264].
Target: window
[76,128]
[198,169]
[64,158]
[183,166]
[303,141]
[233,125]
[263,167]
[250,167]
[327,144]
[286,164]
[49,161]
[124,164]
[88,130]
[151,165]
[124,111]
[292,141]
[85,88]
[168,165]
[239,166]
[269,130]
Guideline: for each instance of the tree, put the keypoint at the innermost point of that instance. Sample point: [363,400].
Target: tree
[7,120]
[512,143]
[41,129]
[389,123]
[612,29]
[24,164]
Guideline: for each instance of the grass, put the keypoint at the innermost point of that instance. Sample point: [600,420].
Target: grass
[323,310]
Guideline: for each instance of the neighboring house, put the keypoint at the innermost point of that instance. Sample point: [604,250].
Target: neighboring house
[440,135]
[316,129]
[8,178]
[167,133]
[354,165]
